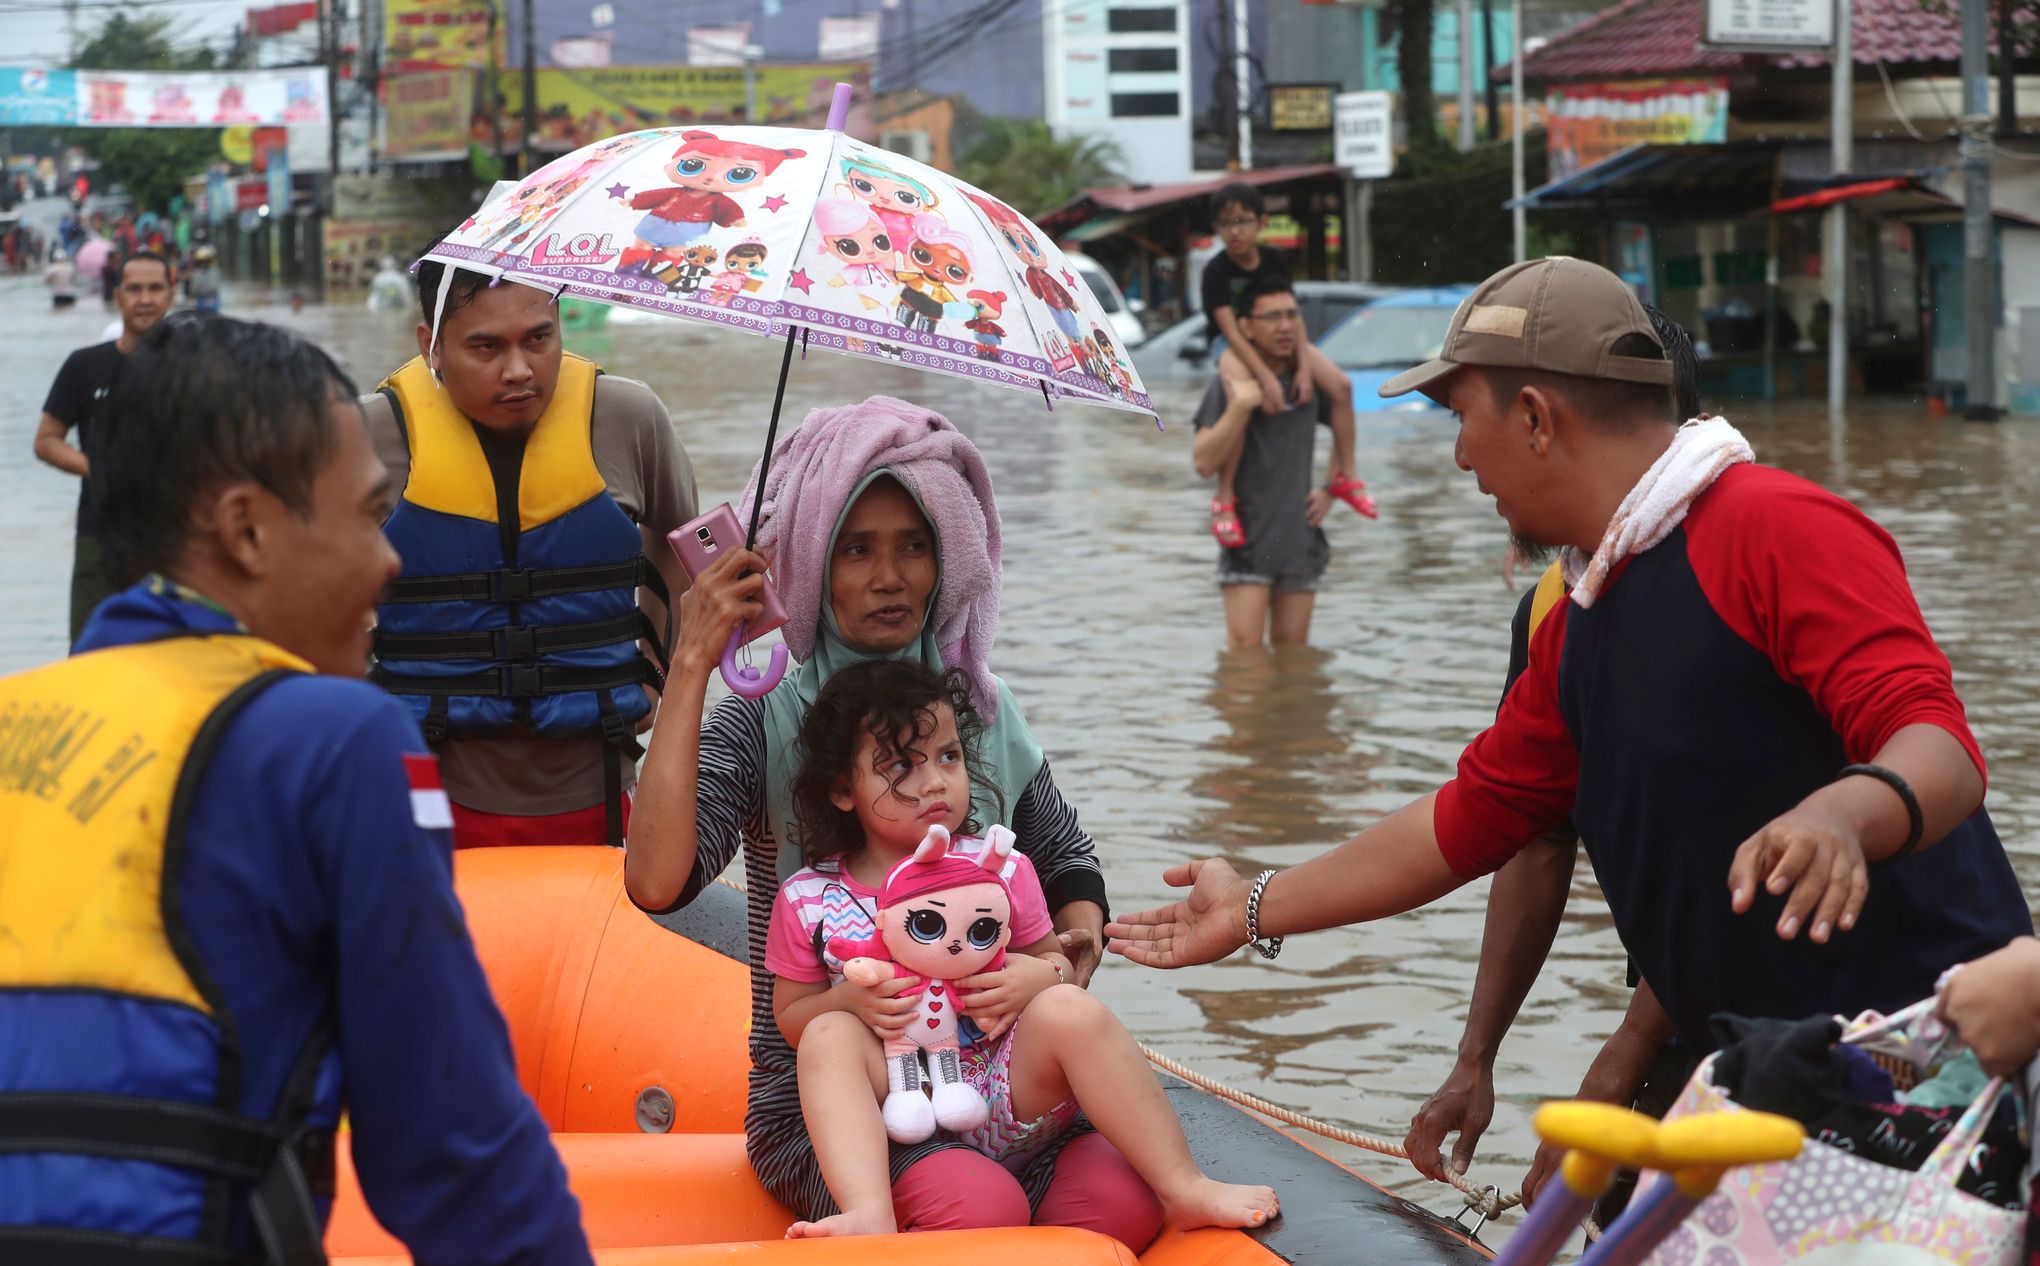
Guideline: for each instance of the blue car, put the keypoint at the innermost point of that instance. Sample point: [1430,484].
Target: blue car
[1396,332]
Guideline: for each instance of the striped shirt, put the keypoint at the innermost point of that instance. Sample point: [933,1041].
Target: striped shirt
[730,815]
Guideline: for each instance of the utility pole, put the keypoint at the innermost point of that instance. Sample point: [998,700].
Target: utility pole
[1465,75]
[329,39]
[1243,101]
[1979,281]
[2007,60]
[1842,84]
[527,160]
[1228,106]
[1487,46]
[1518,109]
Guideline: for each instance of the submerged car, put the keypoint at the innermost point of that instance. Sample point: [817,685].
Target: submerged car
[1181,351]
[1398,332]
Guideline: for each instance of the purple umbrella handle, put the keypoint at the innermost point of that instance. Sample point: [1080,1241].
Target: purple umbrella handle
[745,679]
[839,108]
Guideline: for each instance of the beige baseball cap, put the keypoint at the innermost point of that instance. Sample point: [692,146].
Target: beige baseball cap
[1558,314]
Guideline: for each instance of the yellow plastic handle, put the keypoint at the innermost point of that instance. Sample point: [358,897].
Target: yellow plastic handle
[1728,1139]
[1599,1138]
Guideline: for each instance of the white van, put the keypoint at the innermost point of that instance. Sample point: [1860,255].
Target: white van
[1125,323]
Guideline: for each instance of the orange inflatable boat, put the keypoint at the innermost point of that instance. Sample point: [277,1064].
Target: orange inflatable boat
[632,1039]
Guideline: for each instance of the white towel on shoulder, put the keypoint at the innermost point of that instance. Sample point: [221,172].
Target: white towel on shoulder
[1699,452]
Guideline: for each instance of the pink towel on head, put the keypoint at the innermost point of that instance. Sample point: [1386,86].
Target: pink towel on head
[815,469]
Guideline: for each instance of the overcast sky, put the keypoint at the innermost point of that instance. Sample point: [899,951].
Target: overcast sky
[32,31]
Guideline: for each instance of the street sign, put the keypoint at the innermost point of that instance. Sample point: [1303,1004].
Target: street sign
[1363,134]
[1300,107]
[1770,24]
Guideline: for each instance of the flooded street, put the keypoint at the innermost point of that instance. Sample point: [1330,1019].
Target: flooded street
[1111,638]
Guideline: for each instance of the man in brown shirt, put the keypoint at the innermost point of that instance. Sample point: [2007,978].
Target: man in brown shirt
[532,748]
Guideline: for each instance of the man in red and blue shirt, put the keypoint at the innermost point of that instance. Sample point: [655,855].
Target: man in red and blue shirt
[1751,726]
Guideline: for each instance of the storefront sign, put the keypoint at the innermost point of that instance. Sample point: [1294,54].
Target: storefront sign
[250,195]
[428,114]
[580,107]
[1363,135]
[1788,24]
[257,98]
[38,96]
[1300,107]
[1585,123]
[439,35]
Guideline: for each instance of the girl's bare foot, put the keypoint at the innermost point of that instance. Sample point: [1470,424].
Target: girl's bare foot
[856,1222]
[1208,1202]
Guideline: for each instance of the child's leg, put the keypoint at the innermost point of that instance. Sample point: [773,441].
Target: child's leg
[1225,521]
[1068,1044]
[842,1075]
[1095,1189]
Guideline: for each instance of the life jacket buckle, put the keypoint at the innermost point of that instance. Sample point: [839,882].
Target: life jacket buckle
[517,642]
[510,585]
[521,681]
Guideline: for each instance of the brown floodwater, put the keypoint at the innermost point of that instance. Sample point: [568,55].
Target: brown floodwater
[1172,749]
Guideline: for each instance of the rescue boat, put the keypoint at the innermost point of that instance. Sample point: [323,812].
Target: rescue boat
[631,1037]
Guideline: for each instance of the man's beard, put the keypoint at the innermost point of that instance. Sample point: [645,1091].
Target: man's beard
[1529,551]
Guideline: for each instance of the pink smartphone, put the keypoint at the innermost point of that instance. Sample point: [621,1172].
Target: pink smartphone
[699,543]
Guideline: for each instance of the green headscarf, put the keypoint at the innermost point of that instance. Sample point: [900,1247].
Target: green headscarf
[1009,752]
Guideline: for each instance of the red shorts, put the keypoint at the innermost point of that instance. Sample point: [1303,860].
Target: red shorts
[473,828]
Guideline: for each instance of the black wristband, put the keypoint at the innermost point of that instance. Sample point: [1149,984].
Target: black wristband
[1916,821]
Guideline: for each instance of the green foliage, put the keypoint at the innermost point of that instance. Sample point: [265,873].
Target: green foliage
[1448,222]
[1020,162]
[150,163]
[1410,24]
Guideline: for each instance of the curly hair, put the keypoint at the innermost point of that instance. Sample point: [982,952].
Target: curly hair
[893,702]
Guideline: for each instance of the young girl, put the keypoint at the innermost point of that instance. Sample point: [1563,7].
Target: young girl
[886,753]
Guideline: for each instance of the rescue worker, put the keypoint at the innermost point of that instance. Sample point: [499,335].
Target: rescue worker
[527,630]
[228,904]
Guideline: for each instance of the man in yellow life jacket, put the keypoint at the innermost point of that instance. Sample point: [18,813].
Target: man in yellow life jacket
[228,899]
[528,630]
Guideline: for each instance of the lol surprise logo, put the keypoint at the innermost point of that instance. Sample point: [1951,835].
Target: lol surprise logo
[583,250]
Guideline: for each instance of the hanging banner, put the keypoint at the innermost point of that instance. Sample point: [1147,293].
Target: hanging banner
[1585,123]
[439,35]
[38,96]
[429,115]
[255,98]
[580,107]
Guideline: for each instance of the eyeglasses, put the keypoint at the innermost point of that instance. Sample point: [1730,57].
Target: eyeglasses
[1284,316]
[1250,223]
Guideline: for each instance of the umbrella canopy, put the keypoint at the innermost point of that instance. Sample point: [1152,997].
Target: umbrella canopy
[91,256]
[769,230]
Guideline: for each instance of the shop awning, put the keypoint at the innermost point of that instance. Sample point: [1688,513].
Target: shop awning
[1141,201]
[1891,197]
[1839,193]
[1718,180]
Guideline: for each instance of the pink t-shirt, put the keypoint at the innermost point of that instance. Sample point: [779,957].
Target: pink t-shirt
[826,898]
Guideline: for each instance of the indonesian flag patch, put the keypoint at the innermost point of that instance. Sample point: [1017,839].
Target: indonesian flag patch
[429,806]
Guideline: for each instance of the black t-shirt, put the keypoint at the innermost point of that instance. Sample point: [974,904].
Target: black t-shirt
[78,399]
[1224,281]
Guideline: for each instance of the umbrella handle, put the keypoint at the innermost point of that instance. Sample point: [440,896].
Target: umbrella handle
[745,679]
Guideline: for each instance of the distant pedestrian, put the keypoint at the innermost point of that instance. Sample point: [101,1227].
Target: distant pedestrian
[62,279]
[77,401]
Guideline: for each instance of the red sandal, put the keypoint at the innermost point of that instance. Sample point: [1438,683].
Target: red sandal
[1225,524]
[1354,493]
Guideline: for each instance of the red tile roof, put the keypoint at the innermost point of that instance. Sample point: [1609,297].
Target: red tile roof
[1640,38]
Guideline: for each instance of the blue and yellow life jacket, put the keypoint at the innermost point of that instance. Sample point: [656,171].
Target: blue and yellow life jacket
[517,606]
[121,1135]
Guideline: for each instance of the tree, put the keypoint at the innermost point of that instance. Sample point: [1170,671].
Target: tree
[1411,23]
[150,163]
[1020,162]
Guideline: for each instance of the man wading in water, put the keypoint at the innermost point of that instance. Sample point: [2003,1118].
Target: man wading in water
[1753,731]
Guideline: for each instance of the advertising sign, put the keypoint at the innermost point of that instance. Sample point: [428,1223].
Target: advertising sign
[1585,123]
[438,35]
[1300,107]
[577,108]
[1787,24]
[257,98]
[30,96]
[428,114]
[1363,134]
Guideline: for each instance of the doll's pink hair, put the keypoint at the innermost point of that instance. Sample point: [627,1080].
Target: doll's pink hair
[941,235]
[837,217]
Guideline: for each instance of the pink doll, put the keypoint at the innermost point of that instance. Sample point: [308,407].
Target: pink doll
[942,917]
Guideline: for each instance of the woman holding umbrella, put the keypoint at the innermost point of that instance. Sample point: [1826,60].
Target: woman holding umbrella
[887,542]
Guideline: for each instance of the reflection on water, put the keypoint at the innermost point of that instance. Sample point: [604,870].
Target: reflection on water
[1172,750]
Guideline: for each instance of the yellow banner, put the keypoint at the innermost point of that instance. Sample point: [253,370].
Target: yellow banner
[437,34]
[579,107]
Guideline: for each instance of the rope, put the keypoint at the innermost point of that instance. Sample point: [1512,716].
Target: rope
[1488,1202]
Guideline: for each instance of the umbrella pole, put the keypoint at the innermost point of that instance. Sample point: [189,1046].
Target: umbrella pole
[771,437]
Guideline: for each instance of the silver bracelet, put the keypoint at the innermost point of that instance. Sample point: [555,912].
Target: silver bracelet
[1273,945]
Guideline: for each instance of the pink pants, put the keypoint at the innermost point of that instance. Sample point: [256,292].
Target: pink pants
[957,1189]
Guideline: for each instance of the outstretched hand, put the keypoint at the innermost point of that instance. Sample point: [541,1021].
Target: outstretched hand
[1207,925]
[1817,858]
